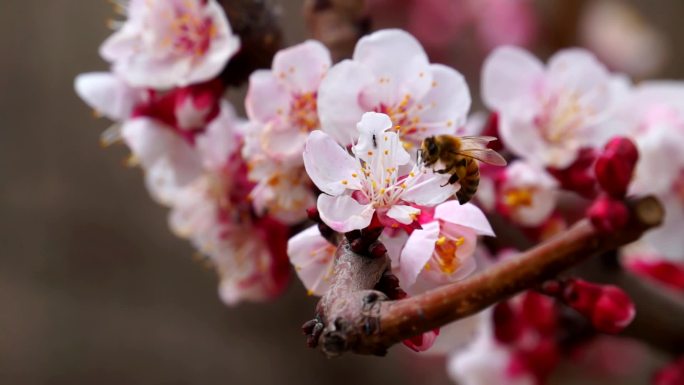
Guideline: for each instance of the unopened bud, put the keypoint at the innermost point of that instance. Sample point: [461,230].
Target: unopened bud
[615,166]
[607,214]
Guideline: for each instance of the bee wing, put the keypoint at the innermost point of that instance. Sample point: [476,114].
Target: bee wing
[486,155]
[474,142]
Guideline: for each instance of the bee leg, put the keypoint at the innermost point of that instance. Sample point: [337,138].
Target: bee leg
[453,179]
[442,171]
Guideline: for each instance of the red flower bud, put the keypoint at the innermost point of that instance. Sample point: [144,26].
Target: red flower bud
[422,342]
[672,374]
[614,310]
[608,307]
[615,166]
[507,328]
[607,214]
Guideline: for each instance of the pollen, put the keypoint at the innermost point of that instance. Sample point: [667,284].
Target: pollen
[344,182]
[521,197]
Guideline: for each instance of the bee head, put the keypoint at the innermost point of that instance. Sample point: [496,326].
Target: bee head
[429,150]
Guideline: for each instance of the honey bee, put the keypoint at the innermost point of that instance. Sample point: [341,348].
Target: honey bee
[460,156]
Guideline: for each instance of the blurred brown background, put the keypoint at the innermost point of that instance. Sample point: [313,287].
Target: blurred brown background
[94,289]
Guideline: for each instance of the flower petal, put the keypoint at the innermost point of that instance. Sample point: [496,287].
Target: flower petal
[430,190]
[508,74]
[417,252]
[398,59]
[266,99]
[403,214]
[302,66]
[447,103]
[338,100]
[107,94]
[467,215]
[328,164]
[343,213]
[312,256]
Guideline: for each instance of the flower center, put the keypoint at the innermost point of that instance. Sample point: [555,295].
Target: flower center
[562,116]
[191,34]
[303,112]
[406,120]
[445,254]
[518,197]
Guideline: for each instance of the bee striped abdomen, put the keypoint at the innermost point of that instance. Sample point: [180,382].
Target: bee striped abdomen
[469,182]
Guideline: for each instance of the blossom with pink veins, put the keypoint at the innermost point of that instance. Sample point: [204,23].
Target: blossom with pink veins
[281,106]
[170,43]
[356,187]
[547,114]
[283,100]
[213,212]
[653,116]
[390,73]
[527,194]
[158,128]
[443,250]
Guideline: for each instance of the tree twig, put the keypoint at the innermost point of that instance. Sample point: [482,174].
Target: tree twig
[354,317]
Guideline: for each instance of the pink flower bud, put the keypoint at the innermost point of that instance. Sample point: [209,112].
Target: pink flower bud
[608,307]
[607,214]
[615,166]
[614,310]
[422,342]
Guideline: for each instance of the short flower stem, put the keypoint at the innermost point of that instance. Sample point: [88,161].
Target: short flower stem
[356,318]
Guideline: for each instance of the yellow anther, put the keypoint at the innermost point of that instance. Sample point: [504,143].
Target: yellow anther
[370,153]
[354,175]
[386,152]
[344,182]
[440,240]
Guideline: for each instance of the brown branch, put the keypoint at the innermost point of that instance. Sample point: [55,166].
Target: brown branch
[354,317]
[337,23]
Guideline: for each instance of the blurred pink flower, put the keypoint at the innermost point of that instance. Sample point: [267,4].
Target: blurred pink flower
[546,115]
[441,23]
[170,43]
[526,194]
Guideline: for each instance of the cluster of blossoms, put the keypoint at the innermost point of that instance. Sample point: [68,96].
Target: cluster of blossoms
[342,141]
[234,187]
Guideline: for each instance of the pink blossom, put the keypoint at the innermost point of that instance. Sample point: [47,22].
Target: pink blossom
[390,73]
[653,117]
[356,187]
[442,251]
[312,257]
[526,193]
[485,361]
[170,43]
[546,115]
